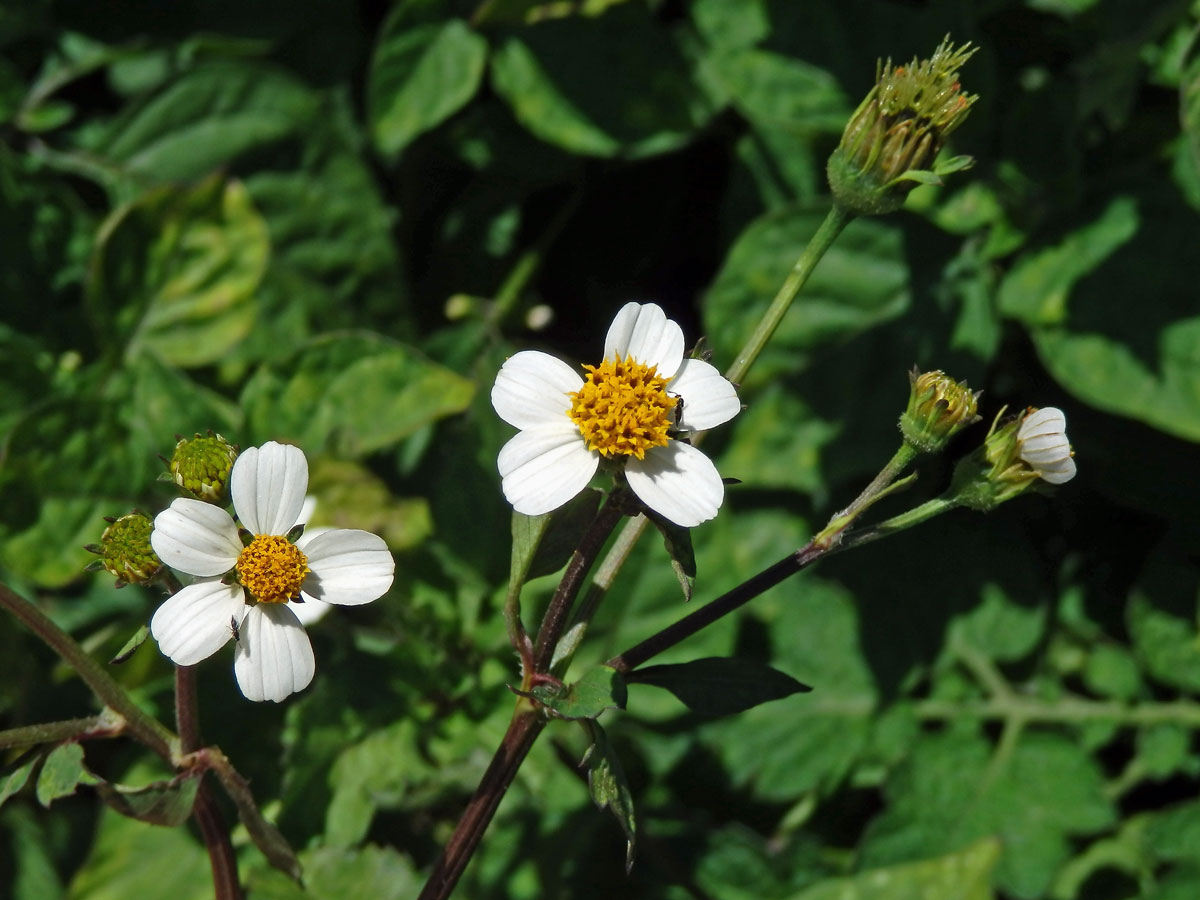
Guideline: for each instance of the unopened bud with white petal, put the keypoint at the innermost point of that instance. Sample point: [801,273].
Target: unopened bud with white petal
[1016,455]
[201,466]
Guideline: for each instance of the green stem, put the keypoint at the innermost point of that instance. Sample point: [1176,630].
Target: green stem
[510,291]
[53,732]
[1066,710]
[138,722]
[876,490]
[831,227]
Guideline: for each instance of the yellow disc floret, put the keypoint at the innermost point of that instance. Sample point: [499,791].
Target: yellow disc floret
[272,568]
[623,408]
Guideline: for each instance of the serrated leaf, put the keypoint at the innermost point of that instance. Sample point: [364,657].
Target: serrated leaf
[610,788]
[62,772]
[719,686]
[419,77]
[130,647]
[174,273]
[160,803]
[599,689]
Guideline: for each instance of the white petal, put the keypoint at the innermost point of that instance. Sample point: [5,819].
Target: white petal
[643,331]
[268,485]
[274,657]
[310,611]
[531,389]
[196,537]
[1047,420]
[679,482]
[543,468]
[193,623]
[348,566]
[708,397]
[1059,473]
[1045,449]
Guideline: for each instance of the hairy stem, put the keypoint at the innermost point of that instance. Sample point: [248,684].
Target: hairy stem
[138,722]
[53,732]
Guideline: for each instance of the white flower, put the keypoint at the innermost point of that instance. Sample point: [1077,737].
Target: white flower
[627,410]
[342,566]
[1042,443]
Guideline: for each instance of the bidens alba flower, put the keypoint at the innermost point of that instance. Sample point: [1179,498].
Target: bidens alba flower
[627,411]
[1043,445]
[342,566]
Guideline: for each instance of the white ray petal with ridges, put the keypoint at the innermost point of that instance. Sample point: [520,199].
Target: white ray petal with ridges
[193,624]
[531,389]
[196,537]
[268,485]
[709,398]
[274,656]
[678,482]
[643,331]
[543,468]
[349,567]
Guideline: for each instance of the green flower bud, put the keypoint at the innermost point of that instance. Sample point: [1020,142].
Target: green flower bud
[201,466]
[893,138]
[1015,456]
[125,550]
[938,408]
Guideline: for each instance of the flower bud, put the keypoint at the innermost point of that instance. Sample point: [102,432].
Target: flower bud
[125,550]
[1015,455]
[938,408]
[201,466]
[890,144]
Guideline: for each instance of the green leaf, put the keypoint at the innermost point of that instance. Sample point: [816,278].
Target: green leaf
[610,788]
[562,531]
[17,778]
[598,689]
[130,646]
[161,803]
[1165,643]
[1000,627]
[731,23]
[720,686]
[32,855]
[133,859]
[645,103]
[174,273]
[949,792]
[1111,671]
[205,119]
[352,394]
[861,281]
[784,93]
[1163,750]
[964,875]
[334,873]
[1037,289]
[678,541]
[419,77]
[62,772]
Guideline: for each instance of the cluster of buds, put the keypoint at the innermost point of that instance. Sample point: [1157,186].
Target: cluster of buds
[1017,454]
[125,551]
[201,466]
[893,138]
[938,408]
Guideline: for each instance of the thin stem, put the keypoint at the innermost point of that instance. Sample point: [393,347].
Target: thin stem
[524,729]
[831,227]
[527,265]
[841,521]
[568,589]
[53,732]
[139,723]
[205,811]
[1068,709]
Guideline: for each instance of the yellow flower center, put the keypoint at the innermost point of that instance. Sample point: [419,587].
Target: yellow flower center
[272,568]
[623,408]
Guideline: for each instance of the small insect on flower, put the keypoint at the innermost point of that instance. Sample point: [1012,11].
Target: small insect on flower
[234,629]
